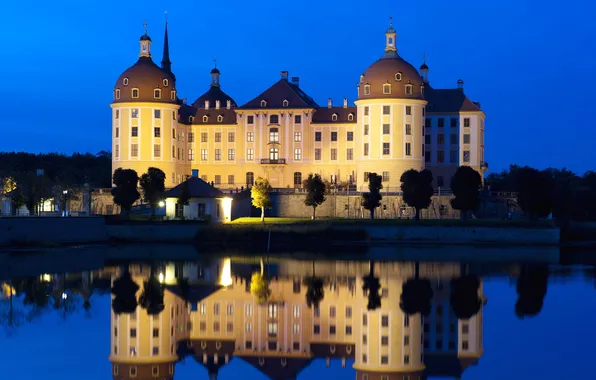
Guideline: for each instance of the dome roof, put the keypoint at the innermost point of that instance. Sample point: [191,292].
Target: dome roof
[215,71]
[394,70]
[145,76]
[424,66]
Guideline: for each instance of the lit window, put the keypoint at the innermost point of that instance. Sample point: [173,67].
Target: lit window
[173,93]
[334,117]
[134,150]
[157,94]
[219,118]
[165,83]
[156,150]
[297,154]
[273,135]
[272,311]
[351,117]
[125,81]
[386,89]
[135,93]
[409,89]
[297,136]
[250,136]
[272,329]
[398,77]
[204,156]
[385,179]
[231,154]
[231,137]
[367,89]
[250,153]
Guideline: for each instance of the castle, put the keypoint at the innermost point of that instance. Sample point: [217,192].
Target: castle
[399,122]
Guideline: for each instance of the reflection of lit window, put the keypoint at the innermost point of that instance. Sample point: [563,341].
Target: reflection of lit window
[230,309]
[133,351]
[296,311]
[296,329]
[249,327]
[272,310]
[249,310]
[203,309]
[348,312]
[272,329]
[216,308]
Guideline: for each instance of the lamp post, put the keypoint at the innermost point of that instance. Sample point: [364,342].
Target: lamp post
[65,194]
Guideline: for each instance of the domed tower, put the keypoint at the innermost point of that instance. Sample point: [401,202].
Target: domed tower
[145,130]
[215,98]
[390,110]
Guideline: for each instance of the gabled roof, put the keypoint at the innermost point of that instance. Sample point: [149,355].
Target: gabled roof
[280,91]
[325,115]
[228,116]
[448,100]
[197,188]
[275,369]
[212,95]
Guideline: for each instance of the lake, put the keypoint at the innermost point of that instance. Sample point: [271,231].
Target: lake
[387,314]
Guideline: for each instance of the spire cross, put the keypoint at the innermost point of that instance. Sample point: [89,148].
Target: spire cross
[215,62]
[390,21]
[145,26]
[424,57]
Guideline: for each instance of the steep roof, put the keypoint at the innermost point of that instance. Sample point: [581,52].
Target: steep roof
[197,188]
[228,116]
[275,369]
[448,100]
[212,95]
[325,115]
[280,91]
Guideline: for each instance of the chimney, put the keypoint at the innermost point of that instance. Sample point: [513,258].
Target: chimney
[195,173]
[460,85]
[217,104]
[284,75]
[329,103]
[228,104]
[206,104]
[345,102]
[296,81]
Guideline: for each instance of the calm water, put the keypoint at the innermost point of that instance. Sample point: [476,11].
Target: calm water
[177,314]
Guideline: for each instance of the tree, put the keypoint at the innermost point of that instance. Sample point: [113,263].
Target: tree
[153,185]
[534,192]
[372,286]
[417,189]
[372,199]
[125,193]
[152,296]
[315,192]
[416,295]
[314,289]
[260,195]
[465,185]
[532,285]
[124,290]
[184,195]
[464,298]
[17,198]
[259,285]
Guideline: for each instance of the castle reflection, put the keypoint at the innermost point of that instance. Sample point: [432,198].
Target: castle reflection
[389,320]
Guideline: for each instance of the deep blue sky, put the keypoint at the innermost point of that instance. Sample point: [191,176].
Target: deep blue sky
[529,64]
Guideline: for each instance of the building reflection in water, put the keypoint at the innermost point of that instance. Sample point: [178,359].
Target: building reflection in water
[210,315]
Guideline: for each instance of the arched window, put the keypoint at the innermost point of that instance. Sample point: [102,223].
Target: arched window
[263,104]
[157,93]
[274,119]
[191,119]
[409,89]
[165,83]
[250,178]
[351,117]
[367,89]
[117,93]
[173,95]
[205,118]
[135,93]
[274,154]
[386,89]
[398,77]
[297,179]
[334,117]
[286,103]
[274,135]
[422,89]
[125,81]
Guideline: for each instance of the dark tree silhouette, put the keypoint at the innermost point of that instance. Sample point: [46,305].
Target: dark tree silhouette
[37,292]
[315,192]
[464,299]
[152,296]
[371,200]
[153,185]
[417,189]
[314,289]
[184,195]
[465,185]
[124,290]
[534,192]
[532,285]
[416,295]
[125,193]
[372,286]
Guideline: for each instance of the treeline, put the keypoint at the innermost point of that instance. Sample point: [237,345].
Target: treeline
[560,191]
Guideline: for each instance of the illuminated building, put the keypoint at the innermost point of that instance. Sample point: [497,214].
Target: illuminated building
[399,122]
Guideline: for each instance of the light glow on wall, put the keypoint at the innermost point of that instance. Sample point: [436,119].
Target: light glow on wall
[225,279]
[227,209]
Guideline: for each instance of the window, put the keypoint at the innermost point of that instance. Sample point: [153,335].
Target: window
[428,122]
[274,135]
[248,345]
[440,139]
[316,329]
[398,77]
[408,110]
[297,154]
[366,149]
[386,129]
[117,132]
[250,136]
[333,136]
[272,311]
[348,330]
[296,328]
[274,154]
[135,113]
[467,138]
[173,95]
[386,149]
[173,155]
[135,93]
[365,316]
[219,118]
[157,93]
[406,359]
[134,150]
[384,359]
[406,340]
[156,132]
[332,330]
[440,181]
[441,122]
[318,154]
[231,154]
[466,122]
[274,119]
[466,156]
[318,136]
[366,110]
[249,307]
[453,139]
[365,129]
[409,89]
[317,312]
[453,122]
[133,369]
[386,89]
[408,149]
[364,339]
[333,154]
[217,154]
[297,136]
[230,327]
[249,327]
[216,324]
[250,180]
[296,308]
[367,89]
[298,119]
[440,156]
[250,153]
[296,282]
[385,321]
[204,178]
[465,328]
[217,136]
[157,114]
[203,154]
[427,139]
[384,340]
[133,333]
[364,359]
[204,137]
[134,131]
[155,353]
[386,110]
[439,329]
[350,154]
[350,136]
[366,175]
[165,83]
[296,346]
[406,320]
[334,117]
[191,154]
[409,129]
[385,179]
[351,117]
[117,94]
[250,119]
[332,312]
[156,150]
[216,308]
[231,137]
[453,156]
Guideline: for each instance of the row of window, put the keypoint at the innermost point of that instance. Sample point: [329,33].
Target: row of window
[465,345]
[387,149]
[441,122]
[135,93]
[409,89]
[132,370]
[134,113]
[454,139]
[387,110]
[165,82]
[453,156]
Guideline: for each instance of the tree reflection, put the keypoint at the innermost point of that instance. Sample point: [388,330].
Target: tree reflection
[416,295]
[314,289]
[372,285]
[532,285]
[124,290]
[259,285]
[465,301]
[151,298]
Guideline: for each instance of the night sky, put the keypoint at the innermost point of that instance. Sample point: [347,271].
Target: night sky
[528,63]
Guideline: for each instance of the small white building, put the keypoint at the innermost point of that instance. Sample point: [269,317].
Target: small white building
[206,202]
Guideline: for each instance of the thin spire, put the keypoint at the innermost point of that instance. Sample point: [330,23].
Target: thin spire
[166,64]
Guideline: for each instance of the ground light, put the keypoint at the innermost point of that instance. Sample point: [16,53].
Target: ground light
[227,209]
[161,278]
[161,203]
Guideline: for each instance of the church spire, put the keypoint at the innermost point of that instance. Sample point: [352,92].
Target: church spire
[166,64]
